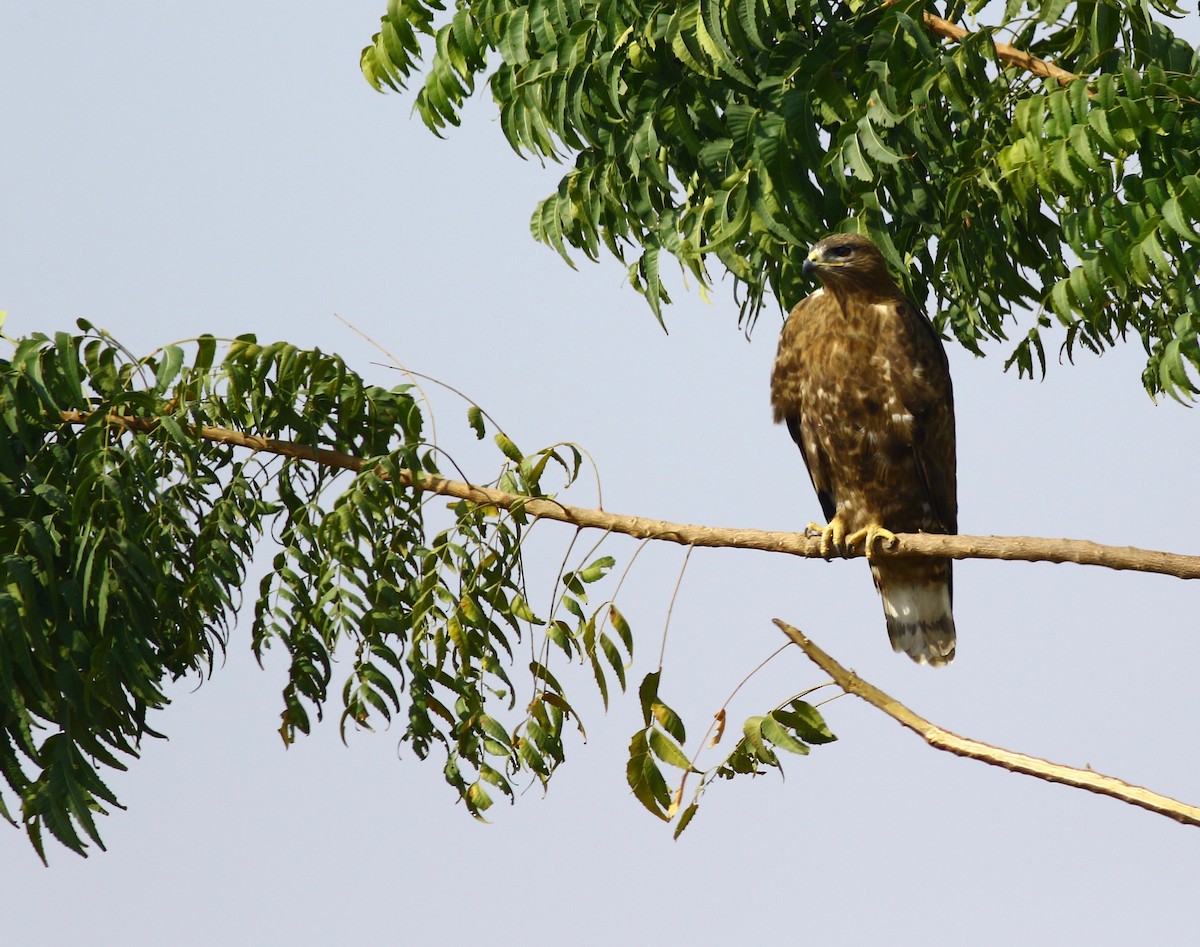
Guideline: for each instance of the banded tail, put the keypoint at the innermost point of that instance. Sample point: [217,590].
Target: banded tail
[920,621]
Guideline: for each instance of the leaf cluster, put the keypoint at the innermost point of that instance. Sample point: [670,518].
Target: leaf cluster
[132,514]
[739,131]
[1118,173]
[100,528]
[794,726]
[128,529]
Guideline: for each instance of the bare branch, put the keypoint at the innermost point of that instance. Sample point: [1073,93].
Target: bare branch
[941,739]
[1013,548]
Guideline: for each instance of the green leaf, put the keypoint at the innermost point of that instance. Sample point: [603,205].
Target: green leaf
[508,448]
[645,778]
[477,799]
[169,364]
[669,720]
[669,751]
[855,159]
[475,419]
[752,733]
[617,619]
[806,721]
[614,658]
[596,570]
[1182,224]
[871,143]
[773,731]
[648,695]
[685,818]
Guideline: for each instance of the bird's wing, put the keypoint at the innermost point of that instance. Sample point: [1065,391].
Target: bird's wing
[787,398]
[927,393]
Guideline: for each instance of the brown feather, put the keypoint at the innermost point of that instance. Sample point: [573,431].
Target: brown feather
[862,382]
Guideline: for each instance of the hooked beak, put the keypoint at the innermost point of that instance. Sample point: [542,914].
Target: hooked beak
[811,266]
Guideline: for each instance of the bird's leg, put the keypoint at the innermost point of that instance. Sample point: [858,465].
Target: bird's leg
[832,536]
[869,536]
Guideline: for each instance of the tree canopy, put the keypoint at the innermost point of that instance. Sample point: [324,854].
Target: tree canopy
[1052,174]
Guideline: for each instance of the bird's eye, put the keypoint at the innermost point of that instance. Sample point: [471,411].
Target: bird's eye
[841,251]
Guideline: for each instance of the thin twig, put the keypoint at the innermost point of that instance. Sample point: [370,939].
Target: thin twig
[941,739]
[662,651]
[400,366]
[1012,548]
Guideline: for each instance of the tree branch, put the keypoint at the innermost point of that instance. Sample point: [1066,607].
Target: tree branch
[941,739]
[1004,52]
[1013,548]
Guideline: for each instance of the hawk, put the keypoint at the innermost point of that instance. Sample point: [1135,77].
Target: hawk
[862,382]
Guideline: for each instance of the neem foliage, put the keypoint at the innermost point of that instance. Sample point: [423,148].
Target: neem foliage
[135,494]
[741,130]
[126,546]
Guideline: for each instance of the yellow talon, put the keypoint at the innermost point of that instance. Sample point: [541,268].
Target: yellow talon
[869,536]
[832,536]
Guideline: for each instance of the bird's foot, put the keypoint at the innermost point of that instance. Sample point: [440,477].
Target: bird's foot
[832,536]
[869,536]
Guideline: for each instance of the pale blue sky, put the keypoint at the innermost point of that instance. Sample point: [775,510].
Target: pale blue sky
[172,169]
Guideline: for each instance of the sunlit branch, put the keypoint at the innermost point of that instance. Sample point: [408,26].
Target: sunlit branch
[941,739]
[1004,52]
[1014,548]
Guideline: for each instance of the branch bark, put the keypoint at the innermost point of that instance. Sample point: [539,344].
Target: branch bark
[1004,52]
[1012,548]
[941,739]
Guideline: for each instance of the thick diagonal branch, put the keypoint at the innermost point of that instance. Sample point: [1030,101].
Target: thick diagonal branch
[941,739]
[1017,548]
[1004,52]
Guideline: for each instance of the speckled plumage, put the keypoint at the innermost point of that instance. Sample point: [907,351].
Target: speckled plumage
[862,382]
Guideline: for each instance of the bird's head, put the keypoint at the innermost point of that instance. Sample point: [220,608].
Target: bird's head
[847,259]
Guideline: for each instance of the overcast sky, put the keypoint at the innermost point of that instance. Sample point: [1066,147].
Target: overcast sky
[174,169]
